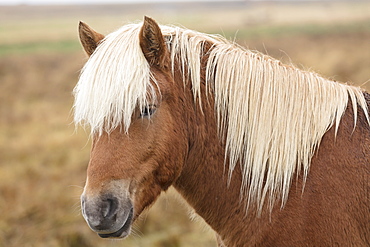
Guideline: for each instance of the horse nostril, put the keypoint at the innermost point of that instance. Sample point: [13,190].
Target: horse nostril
[102,213]
[109,207]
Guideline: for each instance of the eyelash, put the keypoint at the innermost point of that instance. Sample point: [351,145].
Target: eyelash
[148,111]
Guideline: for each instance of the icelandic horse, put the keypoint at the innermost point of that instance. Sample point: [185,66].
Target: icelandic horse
[265,153]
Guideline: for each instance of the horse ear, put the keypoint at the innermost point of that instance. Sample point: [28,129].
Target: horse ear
[152,43]
[89,38]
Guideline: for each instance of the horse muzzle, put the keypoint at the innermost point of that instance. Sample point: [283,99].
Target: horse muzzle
[107,215]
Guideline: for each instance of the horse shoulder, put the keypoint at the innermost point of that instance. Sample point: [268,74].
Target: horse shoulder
[335,201]
[333,207]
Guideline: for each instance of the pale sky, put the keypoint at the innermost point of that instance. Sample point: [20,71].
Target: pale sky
[36,2]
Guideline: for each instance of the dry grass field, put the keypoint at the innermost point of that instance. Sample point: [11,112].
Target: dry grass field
[43,159]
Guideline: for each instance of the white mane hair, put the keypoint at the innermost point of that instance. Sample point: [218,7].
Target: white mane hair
[114,81]
[272,116]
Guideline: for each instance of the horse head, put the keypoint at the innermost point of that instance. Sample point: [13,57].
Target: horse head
[129,168]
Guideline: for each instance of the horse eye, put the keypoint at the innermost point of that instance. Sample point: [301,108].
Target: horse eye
[148,111]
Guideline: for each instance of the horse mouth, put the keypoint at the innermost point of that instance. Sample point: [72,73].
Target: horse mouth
[123,231]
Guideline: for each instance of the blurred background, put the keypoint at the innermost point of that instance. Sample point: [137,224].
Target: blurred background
[43,159]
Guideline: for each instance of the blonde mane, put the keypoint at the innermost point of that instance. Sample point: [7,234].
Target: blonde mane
[114,81]
[272,116]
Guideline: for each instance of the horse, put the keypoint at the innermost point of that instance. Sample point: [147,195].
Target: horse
[266,153]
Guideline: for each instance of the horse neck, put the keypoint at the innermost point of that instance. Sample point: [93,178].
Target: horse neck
[205,184]
[204,179]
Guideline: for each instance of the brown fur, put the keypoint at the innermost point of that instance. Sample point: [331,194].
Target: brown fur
[89,38]
[333,210]
[153,46]
[179,146]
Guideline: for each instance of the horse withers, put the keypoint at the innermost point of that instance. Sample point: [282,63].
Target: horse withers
[265,153]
